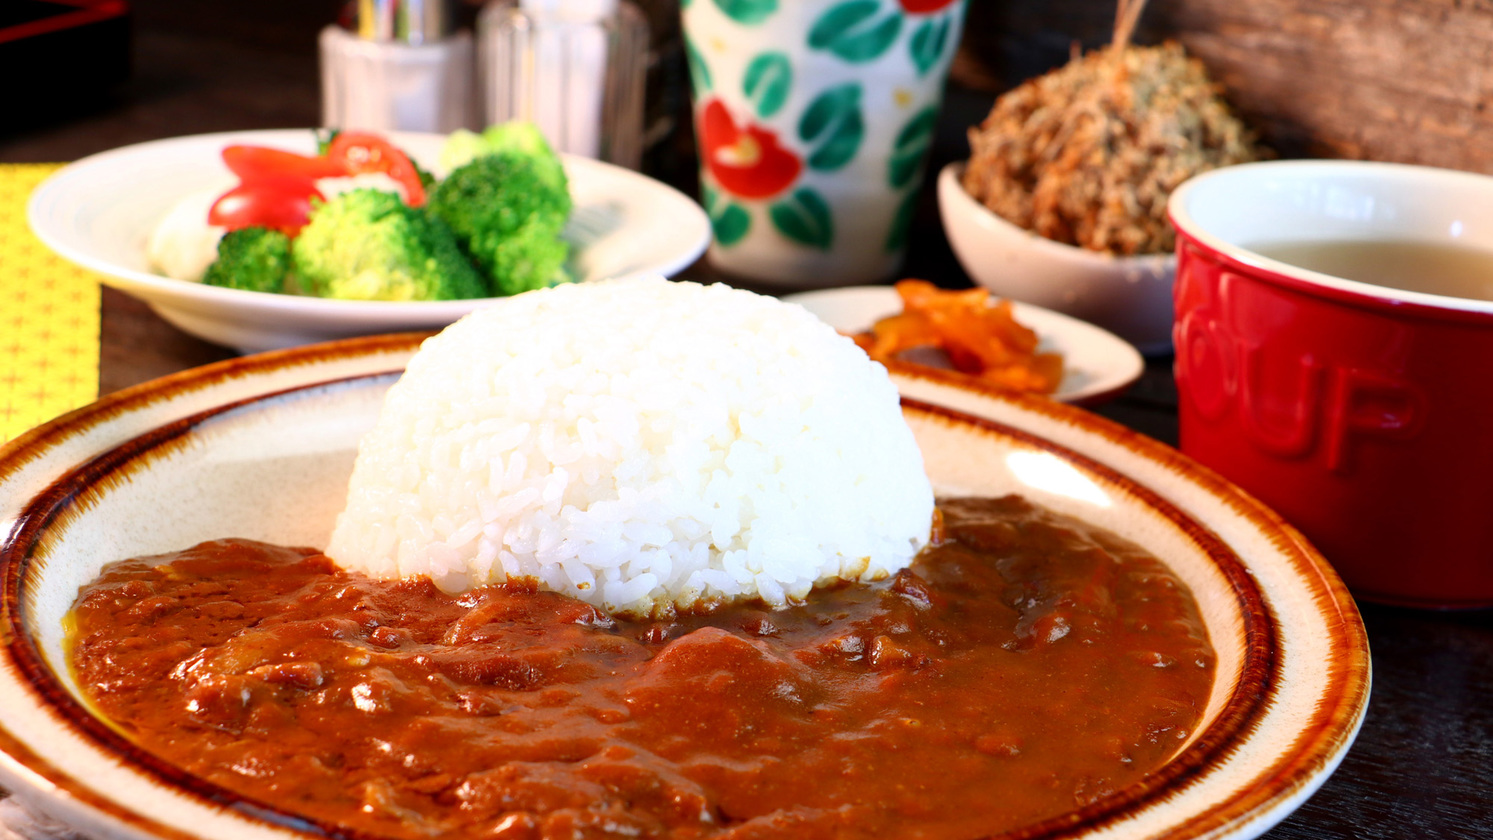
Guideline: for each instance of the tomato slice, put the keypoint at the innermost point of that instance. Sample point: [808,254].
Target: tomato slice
[252,163]
[283,204]
[359,152]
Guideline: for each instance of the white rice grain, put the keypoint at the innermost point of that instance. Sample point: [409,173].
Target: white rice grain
[643,446]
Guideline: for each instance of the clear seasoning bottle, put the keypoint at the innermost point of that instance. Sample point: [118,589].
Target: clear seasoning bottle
[575,68]
[400,66]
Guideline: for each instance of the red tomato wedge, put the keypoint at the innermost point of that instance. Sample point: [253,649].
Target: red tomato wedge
[282,204]
[252,163]
[359,152]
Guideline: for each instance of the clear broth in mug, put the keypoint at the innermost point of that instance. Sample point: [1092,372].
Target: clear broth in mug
[1434,268]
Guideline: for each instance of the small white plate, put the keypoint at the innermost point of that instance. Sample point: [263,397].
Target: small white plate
[99,211]
[1097,364]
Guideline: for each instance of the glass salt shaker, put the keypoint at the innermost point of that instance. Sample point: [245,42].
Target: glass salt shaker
[575,68]
[402,67]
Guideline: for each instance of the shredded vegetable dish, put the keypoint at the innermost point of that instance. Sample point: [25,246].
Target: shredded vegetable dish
[968,331]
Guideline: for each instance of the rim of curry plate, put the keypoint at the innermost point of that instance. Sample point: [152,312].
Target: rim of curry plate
[1294,772]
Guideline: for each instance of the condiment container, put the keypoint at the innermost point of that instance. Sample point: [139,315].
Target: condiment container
[403,67]
[575,68]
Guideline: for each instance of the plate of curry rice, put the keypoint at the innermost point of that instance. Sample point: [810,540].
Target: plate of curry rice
[1104,640]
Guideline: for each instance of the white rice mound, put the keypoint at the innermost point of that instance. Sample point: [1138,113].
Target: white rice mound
[642,446]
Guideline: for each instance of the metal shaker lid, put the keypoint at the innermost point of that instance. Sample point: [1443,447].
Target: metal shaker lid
[570,10]
[408,21]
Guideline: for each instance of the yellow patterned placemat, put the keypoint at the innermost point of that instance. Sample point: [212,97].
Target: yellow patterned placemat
[49,316]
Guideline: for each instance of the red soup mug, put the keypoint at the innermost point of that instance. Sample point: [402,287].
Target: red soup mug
[1360,409]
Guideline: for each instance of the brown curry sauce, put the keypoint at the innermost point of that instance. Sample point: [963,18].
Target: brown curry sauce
[1027,665]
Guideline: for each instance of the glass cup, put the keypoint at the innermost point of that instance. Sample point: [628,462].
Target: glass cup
[814,119]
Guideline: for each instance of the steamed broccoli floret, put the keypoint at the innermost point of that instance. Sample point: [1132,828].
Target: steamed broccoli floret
[460,148]
[427,179]
[518,136]
[525,139]
[255,259]
[507,211]
[368,245]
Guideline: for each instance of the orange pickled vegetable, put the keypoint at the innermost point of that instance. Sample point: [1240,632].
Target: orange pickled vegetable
[978,335]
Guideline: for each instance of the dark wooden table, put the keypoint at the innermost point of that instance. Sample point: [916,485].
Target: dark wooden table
[1423,763]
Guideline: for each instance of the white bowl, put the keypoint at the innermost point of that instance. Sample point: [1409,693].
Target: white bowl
[262,447]
[99,211]
[1129,296]
[1097,365]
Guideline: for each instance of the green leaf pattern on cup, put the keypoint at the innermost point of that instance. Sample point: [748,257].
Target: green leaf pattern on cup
[728,220]
[805,218]
[768,81]
[911,148]
[748,12]
[834,127]
[857,31]
[928,43]
[699,71]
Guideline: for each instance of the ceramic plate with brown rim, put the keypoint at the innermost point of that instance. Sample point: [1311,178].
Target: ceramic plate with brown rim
[261,447]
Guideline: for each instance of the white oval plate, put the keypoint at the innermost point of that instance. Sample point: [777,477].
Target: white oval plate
[1097,364]
[99,211]
[262,447]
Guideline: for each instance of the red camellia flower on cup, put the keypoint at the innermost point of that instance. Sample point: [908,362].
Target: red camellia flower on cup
[745,160]
[923,7]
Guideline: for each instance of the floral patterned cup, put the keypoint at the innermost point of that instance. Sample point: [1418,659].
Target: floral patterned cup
[814,118]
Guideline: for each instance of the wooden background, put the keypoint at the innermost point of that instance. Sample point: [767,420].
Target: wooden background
[1396,80]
